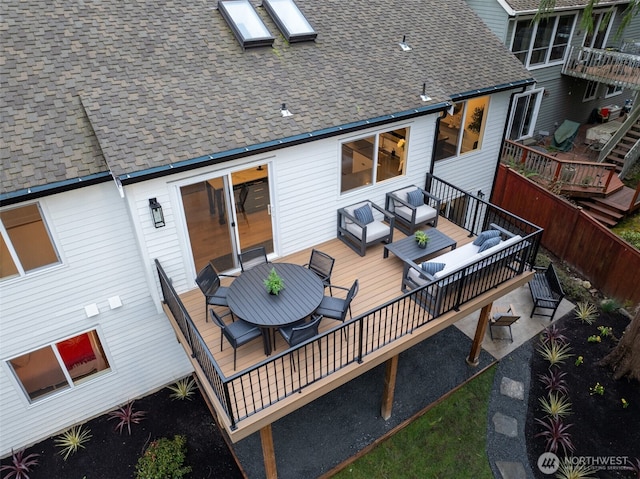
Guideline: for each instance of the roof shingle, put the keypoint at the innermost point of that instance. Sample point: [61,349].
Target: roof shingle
[128,86]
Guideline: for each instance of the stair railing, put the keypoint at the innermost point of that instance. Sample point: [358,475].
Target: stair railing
[632,118]
[629,159]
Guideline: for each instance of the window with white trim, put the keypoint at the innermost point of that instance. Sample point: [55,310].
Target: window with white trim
[525,113]
[601,27]
[591,91]
[544,42]
[60,366]
[25,242]
[463,130]
[387,151]
[613,90]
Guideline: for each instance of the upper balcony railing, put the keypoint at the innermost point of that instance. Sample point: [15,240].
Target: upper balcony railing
[255,389]
[605,66]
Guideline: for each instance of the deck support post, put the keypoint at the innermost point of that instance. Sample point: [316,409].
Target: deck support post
[268,452]
[481,329]
[390,375]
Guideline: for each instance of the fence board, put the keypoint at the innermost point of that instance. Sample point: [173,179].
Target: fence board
[607,261]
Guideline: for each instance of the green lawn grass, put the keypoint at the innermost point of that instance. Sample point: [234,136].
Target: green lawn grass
[447,441]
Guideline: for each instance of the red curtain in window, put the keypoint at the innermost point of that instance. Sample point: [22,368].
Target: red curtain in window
[76,350]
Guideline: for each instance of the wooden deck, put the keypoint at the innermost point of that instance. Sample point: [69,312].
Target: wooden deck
[380,281]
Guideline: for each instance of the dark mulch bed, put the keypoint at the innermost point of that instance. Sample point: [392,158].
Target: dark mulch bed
[110,455]
[601,426]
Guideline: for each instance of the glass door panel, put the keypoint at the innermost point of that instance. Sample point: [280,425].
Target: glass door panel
[217,236]
[253,208]
[210,232]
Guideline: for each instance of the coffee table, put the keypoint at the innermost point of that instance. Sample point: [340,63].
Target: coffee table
[407,249]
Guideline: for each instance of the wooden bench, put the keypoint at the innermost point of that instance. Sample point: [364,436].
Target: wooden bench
[546,290]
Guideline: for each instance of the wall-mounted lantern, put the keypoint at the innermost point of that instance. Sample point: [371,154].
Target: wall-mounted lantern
[156,213]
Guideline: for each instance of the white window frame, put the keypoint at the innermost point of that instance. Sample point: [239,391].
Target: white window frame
[377,139]
[70,383]
[598,18]
[538,93]
[613,90]
[13,253]
[528,52]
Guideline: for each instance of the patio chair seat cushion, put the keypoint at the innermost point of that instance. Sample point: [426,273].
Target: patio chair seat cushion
[375,230]
[423,213]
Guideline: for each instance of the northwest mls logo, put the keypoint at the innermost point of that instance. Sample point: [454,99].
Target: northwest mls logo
[548,463]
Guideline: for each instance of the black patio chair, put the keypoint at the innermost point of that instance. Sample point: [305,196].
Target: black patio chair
[299,332]
[337,308]
[237,333]
[252,257]
[322,265]
[208,280]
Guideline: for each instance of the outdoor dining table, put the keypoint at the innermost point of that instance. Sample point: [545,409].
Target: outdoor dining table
[249,300]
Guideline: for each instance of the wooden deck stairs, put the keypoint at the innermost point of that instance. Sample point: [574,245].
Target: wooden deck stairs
[612,208]
[630,138]
[619,200]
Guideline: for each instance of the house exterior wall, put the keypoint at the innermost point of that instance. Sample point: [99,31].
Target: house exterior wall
[563,94]
[305,196]
[108,245]
[92,231]
[475,170]
[493,15]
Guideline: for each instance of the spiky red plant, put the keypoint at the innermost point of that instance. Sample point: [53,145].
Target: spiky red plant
[556,435]
[20,465]
[127,416]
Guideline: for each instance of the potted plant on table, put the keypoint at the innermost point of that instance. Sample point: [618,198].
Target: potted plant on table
[274,282]
[422,239]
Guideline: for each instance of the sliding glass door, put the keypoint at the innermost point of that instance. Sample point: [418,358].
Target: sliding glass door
[226,214]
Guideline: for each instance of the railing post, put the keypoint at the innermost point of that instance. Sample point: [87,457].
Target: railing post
[227,399]
[360,340]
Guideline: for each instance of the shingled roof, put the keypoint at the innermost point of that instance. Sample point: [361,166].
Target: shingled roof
[92,88]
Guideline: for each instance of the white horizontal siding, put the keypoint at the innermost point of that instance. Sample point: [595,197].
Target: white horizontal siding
[305,193]
[101,259]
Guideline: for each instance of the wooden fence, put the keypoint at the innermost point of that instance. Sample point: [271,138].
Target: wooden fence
[608,262]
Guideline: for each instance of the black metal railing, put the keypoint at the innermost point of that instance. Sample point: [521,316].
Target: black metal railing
[272,380]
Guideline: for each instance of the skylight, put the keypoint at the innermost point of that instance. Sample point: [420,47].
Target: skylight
[290,20]
[245,23]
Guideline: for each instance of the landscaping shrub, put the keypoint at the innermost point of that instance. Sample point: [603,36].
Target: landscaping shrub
[164,459]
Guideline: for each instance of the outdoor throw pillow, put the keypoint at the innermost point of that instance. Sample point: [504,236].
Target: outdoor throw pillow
[364,214]
[431,267]
[415,198]
[485,235]
[489,244]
